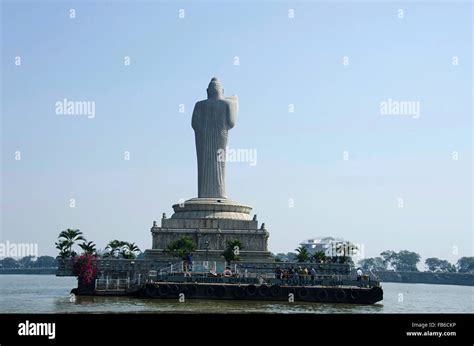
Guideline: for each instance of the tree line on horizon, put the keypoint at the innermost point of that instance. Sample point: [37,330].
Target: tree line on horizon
[67,240]
[407,261]
[389,260]
[115,249]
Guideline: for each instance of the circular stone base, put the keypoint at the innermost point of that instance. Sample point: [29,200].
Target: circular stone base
[212,208]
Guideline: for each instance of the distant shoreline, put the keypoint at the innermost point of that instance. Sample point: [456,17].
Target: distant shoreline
[32,271]
[461,279]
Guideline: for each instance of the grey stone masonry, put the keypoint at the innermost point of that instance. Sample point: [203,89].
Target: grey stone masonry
[211,223]
[212,208]
[252,240]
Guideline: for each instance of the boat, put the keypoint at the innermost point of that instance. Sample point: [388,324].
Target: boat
[253,282]
[303,291]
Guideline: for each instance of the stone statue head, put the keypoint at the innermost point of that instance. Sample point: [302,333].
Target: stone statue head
[214,90]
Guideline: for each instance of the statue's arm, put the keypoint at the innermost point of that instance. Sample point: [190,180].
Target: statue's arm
[195,118]
[233,102]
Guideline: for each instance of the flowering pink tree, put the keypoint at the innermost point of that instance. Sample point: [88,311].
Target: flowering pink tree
[85,268]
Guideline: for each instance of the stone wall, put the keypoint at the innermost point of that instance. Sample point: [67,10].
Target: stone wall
[252,240]
[210,224]
[113,266]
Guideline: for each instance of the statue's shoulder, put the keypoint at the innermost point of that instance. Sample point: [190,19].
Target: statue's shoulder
[199,104]
[227,102]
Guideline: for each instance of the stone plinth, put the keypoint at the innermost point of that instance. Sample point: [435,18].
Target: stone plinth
[211,223]
[212,208]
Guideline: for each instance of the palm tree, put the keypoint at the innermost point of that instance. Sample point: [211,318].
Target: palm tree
[231,253]
[302,254]
[181,247]
[319,256]
[114,248]
[72,235]
[64,247]
[88,247]
[130,250]
[67,239]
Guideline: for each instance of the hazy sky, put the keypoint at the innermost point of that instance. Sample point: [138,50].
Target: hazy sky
[424,57]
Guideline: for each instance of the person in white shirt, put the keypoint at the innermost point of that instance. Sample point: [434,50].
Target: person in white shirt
[359,274]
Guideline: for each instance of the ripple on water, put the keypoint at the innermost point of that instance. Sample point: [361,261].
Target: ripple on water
[50,294]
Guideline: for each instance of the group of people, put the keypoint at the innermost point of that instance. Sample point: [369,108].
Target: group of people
[303,273]
[292,273]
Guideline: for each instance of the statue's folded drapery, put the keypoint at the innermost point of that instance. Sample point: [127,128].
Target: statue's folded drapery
[212,118]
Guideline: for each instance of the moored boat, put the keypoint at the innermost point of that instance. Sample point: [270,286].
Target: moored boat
[332,284]
[348,294]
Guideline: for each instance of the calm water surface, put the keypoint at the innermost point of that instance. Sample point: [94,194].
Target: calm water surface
[50,294]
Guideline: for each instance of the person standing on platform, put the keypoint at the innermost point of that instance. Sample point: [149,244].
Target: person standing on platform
[359,274]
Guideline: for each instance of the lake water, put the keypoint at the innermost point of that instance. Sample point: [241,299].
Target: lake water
[50,294]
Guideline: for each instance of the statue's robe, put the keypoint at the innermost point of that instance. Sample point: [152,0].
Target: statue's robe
[212,118]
